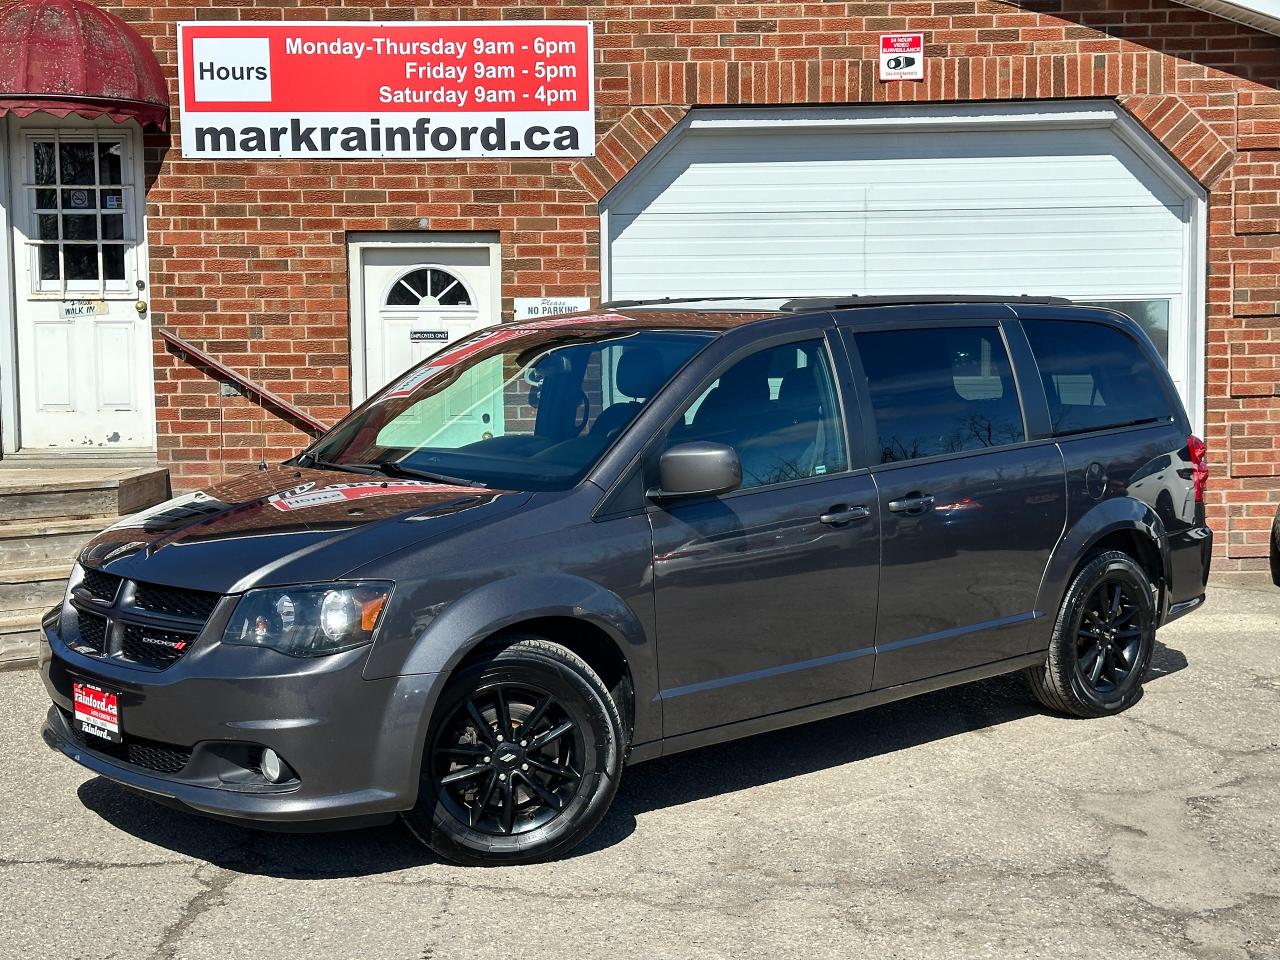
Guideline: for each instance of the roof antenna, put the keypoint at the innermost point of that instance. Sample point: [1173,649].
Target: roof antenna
[262,464]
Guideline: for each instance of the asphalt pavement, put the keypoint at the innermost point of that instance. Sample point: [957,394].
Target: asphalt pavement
[966,823]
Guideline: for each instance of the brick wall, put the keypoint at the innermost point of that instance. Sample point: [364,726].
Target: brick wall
[249,257]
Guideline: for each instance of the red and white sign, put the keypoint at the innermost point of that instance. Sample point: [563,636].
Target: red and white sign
[479,88]
[902,56]
[308,495]
[97,711]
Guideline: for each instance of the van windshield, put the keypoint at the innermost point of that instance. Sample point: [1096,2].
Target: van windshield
[514,407]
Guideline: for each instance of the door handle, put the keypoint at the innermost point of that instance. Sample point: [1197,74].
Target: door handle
[912,504]
[839,516]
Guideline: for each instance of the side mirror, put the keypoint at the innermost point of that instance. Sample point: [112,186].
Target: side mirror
[698,469]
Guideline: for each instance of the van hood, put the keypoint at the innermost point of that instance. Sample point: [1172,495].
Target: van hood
[286,525]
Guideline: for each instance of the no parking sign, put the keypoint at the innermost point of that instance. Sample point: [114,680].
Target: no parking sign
[902,56]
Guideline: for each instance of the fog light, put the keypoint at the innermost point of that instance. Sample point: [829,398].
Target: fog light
[272,767]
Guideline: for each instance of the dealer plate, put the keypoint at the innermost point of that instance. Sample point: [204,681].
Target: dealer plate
[97,711]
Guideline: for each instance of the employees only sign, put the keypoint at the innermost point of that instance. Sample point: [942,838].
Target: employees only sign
[420,90]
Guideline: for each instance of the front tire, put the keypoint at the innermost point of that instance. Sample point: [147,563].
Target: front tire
[1102,642]
[522,759]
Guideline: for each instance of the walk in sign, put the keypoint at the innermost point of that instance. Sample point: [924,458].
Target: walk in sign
[902,56]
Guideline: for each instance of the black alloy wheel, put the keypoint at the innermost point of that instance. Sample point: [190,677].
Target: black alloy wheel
[1109,638]
[1102,640]
[507,761]
[522,758]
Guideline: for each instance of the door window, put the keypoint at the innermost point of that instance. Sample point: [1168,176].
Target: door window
[1094,376]
[428,287]
[937,391]
[779,409]
[79,198]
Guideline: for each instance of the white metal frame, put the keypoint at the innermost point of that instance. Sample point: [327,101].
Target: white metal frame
[1034,115]
[12,134]
[428,242]
[9,427]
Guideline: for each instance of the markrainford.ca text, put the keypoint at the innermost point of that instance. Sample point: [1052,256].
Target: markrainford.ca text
[422,136]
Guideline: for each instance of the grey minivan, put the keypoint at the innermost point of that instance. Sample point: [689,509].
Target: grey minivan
[561,547]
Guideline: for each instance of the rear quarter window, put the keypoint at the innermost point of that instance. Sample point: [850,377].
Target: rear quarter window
[1095,376]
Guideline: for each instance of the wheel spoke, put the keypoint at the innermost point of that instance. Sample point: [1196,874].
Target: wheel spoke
[481,724]
[1096,672]
[476,810]
[504,714]
[553,768]
[464,750]
[531,722]
[508,807]
[466,773]
[1089,633]
[1090,655]
[1133,612]
[540,741]
[1117,598]
[545,795]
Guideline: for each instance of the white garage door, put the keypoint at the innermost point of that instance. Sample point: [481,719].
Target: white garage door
[1056,203]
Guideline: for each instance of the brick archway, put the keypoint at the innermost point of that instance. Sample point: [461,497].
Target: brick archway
[1188,138]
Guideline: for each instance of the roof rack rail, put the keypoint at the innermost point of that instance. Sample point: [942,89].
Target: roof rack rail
[853,300]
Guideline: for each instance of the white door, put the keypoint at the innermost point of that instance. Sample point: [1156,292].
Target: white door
[417,299]
[83,349]
[1058,204]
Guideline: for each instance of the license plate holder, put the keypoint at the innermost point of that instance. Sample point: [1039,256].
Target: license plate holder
[96,711]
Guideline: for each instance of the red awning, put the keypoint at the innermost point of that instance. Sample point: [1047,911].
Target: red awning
[67,56]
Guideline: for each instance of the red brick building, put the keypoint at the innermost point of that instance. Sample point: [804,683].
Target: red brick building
[1117,151]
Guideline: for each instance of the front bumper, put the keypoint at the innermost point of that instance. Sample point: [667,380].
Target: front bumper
[355,744]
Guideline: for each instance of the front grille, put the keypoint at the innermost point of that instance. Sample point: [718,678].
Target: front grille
[139,751]
[101,586]
[144,623]
[193,604]
[93,630]
[154,647]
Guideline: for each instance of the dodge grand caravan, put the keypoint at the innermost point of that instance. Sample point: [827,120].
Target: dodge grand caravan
[562,547]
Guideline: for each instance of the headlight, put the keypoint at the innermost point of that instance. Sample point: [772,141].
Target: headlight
[310,621]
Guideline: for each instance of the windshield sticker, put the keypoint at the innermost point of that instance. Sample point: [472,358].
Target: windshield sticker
[306,495]
[409,383]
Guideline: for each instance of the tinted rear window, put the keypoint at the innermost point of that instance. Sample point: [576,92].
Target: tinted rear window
[939,391]
[1095,376]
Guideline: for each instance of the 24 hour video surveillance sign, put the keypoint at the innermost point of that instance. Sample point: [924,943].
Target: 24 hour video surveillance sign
[420,90]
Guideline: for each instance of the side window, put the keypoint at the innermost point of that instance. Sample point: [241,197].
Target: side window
[779,409]
[940,390]
[1094,376]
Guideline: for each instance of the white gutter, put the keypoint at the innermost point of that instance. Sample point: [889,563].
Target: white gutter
[1259,14]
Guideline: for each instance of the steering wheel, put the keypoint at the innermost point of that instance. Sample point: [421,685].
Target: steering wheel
[585,403]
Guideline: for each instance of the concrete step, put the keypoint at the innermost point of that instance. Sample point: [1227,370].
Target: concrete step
[46,541]
[19,637]
[32,587]
[99,490]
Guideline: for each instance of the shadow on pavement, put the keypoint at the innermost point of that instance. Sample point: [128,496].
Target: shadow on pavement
[666,782]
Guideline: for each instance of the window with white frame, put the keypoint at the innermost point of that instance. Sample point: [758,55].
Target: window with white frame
[80,202]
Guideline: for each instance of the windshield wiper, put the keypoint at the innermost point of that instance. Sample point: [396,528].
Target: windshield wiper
[393,469]
[364,470]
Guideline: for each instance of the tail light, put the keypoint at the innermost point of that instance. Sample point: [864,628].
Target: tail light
[1199,468]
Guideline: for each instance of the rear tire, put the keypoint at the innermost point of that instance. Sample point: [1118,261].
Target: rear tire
[1102,642]
[522,759]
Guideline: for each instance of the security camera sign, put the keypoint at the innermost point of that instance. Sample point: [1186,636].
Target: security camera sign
[902,56]
[400,90]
